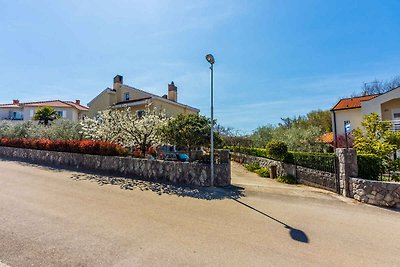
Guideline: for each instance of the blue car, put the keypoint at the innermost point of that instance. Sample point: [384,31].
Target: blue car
[182,157]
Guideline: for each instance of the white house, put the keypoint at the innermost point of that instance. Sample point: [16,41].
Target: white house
[386,105]
[17,111]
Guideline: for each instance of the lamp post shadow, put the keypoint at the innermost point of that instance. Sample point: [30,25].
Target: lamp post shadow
[295,234]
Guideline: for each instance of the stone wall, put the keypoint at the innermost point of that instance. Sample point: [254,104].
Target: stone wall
[375,192]
[177,172]
[316,178]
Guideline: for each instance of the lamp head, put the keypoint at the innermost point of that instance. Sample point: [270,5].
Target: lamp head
[210,59]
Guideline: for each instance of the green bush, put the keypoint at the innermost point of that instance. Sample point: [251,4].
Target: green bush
[396,178]
[370,166]
[263,172]
[277,149]
[252,167]
[287,179]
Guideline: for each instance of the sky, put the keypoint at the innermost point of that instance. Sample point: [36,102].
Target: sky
[274,59]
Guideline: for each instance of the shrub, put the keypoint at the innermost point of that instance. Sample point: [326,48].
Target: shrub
[73,146]
[369,166]
[396,178]
[252,167]
[287,179]
[263,172]
[277,149]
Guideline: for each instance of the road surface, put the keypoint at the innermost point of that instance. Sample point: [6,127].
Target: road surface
[51,217]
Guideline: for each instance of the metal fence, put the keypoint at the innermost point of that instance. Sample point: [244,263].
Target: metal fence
[322,162]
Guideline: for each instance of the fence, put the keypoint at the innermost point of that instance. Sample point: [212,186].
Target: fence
[317,161]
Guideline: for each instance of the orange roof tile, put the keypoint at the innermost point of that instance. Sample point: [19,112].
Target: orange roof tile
[327,138]
[354,102]
[77,106]
[51,103]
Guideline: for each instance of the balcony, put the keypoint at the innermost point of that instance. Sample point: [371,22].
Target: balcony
[395,125]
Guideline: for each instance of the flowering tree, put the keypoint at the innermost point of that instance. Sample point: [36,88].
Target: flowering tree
[127,128]
[377,137]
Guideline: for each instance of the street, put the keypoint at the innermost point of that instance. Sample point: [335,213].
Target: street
[55,217]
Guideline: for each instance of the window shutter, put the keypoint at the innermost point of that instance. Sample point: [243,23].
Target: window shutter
[64,114]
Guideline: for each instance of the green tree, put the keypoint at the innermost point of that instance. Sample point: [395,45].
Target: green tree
[300,139]
[377,137]
[262,135]
[45,115]
[189,131]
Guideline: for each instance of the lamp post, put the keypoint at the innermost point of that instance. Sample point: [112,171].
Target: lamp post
[210,59]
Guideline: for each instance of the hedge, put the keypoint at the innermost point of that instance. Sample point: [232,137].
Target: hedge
[73,146]
[370,166]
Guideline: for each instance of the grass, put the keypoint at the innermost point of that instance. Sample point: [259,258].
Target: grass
[287,179]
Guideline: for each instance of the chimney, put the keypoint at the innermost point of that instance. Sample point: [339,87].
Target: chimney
[78,102]
[118,81]
[172,92]
[15,102]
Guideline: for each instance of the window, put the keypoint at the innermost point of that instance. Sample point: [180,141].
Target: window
[140,113]
[396,116]
[126,96]
[62,113]
[16,115]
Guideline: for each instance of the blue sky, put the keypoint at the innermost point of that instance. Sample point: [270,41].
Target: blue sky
[273,58]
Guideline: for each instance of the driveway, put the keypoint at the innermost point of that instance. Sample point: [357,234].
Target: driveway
[52,217]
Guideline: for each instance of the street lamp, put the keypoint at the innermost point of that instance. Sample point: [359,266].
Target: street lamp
[210,59]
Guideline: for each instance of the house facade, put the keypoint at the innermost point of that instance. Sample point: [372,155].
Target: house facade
[122,95]
[17,111]
[386,105]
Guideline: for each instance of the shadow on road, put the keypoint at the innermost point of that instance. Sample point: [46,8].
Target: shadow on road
[295,234]
[162,187]
[159,187]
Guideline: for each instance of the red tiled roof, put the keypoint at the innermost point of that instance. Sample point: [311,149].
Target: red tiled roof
[9,106]
[327,138]
[354,102]
[51,103]
[77,106]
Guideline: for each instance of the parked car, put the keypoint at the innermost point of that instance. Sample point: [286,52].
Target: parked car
[170,157]
[182,157]
[176,157]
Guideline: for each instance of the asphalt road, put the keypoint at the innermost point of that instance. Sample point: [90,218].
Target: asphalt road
[65,218]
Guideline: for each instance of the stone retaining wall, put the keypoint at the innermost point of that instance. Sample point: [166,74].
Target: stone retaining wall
[316,178]
[379,193]
[177,172]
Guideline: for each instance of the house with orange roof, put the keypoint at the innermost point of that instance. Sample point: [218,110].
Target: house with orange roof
[18,111]
[354,109]
[122,95]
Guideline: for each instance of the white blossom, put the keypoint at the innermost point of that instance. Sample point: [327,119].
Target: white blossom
[125,127]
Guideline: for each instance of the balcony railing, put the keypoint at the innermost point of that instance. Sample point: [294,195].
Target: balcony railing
[395,125]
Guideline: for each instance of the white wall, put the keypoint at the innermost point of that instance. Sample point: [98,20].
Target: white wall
[353,115]
[374,105]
